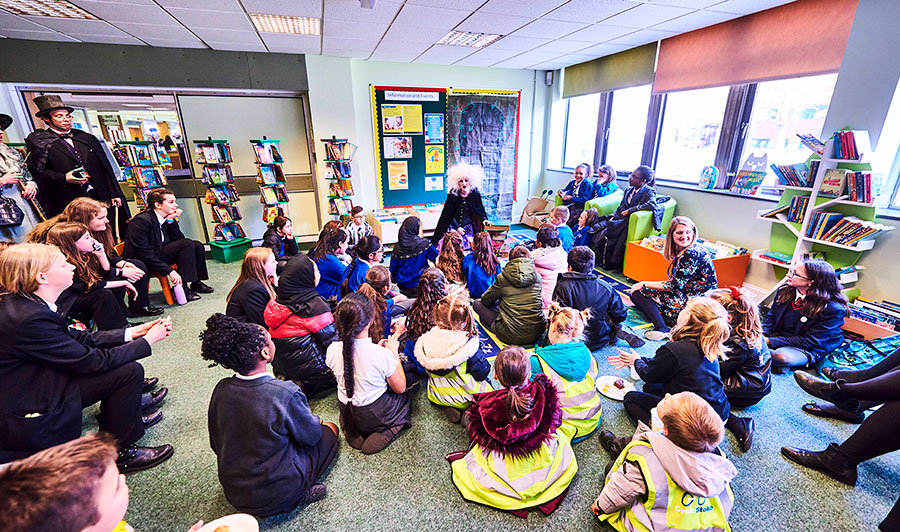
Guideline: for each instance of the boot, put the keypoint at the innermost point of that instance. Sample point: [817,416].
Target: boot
[316,492]
[830,410]
[612,443]
[453,414]
[135,458]
[827,390]
[742,428]
[632,339]
[831,461]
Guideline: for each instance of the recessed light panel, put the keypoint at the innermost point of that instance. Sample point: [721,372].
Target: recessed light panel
[45,8]
[285,24]
[469,39]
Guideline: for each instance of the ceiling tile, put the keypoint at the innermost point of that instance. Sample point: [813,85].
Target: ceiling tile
[549,29]
[475,61]
[444,55]
[531,8]
[212,5]
[37,35]
[9,21]
[76,25]
[237,47]
[495,54]
[108,39]
[599,33]
[236,37]
[539,57]
[345,43]
[414,17]
[399,55]
[383,13]
[353,30]
[646,15]
[292,44]
[220,20]
[604,49]
[401,49]
[176,43]
[173,32]
[550,65]
[696,4]
[463,5]
[115,12]
[422,35]
[346,52]
[745,7]
[562,46]
[521,44]
[574,59]
[643,37]
[514,63]
[588,11]
[496,23]
[290,8]
[693,21]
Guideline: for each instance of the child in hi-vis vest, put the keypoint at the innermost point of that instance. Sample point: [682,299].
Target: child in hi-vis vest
[674,479]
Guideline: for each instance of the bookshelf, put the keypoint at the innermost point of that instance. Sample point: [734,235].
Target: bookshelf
[270,177]
[338,154]
[143,167]
[828,210]
[222,197]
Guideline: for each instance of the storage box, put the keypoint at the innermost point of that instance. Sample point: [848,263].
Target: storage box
[866,330]
[226,252]
[536,212]
[645,264]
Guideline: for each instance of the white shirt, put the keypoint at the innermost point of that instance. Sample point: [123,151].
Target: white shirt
[162,226]
[254,377]
[67,139]
[372,365]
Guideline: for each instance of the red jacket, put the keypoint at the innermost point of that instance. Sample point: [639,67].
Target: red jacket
[300,345]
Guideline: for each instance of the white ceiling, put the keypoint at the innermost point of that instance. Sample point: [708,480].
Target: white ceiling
[538,34]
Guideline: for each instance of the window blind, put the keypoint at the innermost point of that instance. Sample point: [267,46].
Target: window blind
[629,68]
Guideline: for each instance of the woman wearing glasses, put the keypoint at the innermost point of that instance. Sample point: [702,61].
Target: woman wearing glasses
[805,321]
[578,191]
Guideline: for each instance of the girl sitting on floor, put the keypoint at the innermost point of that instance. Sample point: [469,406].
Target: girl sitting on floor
[279,237]
[480,268]
[451,257]
[571,367]
[451,353]
[327,256]
[689,362]
[746,368]
[411,255]
[368,253]
[550,260]
[254,288]
[432,288]
[371,382]
[521,455]
[677,472]
[378,281]
[271,451]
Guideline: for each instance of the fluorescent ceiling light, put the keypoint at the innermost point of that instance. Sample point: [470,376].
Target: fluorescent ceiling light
[45,8]
[135,105]
[467,38]
[285,24]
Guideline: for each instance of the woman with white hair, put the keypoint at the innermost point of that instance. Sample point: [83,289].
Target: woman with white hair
[463,209]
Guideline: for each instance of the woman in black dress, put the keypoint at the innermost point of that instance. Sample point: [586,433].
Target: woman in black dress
[463,209]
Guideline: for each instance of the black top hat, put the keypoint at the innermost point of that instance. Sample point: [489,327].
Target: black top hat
[50,102]
[5,121]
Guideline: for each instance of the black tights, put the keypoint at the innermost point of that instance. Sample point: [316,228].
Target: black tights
[877,435]
[649,308]
[889,363]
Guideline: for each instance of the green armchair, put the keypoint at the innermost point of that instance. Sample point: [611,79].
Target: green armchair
[605,205]
[640,224]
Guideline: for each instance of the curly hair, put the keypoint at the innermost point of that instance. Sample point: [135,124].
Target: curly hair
[353,314]
[431,289]
[461,170]
[548,236]
[232,343]
[451,257]
[483,253]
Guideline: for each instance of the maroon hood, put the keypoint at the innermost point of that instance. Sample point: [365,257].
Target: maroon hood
[491,428]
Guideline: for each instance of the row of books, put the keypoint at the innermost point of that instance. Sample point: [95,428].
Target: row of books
[821,223]
[885,313]
[720,249]
[340,206]
[229,232]
[216,153]
[846,230]
[226,213]
[267,153]
[778,257]
[337,170]
[221,194]
[273,194]
[337,151]
[797,209]
[145,176]
[217,175]
[340,189]
[272,211]
[269,174]
[859,187]
[137,154]
[845,145]
[793,175]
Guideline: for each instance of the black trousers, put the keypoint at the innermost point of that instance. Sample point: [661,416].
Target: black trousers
[102,305]
[119,394]
[639,404]
[142,286]
[648,307]
[190,257]
[487,315]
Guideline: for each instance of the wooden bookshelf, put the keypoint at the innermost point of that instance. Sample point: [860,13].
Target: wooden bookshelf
[143,167]
[338,155]
[215,158]
[270,177]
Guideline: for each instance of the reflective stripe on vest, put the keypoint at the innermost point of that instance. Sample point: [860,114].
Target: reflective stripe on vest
[455,388]
[580,400]
[668,507]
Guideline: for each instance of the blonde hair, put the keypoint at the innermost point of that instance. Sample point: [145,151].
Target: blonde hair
[670,251]
[254,268]
[84,210]
[21,264]
[744,314]
[513,369]
[705,321]
[460,170]
[454,313]
[691,423]
[566,324]
[561,212]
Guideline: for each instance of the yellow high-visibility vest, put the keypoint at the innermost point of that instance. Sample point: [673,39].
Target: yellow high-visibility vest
[580,400]
[456,388]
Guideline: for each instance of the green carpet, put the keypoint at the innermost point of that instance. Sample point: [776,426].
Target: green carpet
[408,486]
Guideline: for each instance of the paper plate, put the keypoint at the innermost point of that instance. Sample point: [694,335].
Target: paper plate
[605,386]
[235,523]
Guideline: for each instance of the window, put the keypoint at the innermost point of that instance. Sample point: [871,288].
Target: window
[627,122]
[689,138]
[781,109]
[581,130]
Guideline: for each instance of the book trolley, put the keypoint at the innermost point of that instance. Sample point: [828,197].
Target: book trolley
[229,240]
[270,177]
[338,154]
[143,167]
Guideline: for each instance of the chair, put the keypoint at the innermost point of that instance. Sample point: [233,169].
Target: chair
[163,279]
[640,223]
[604,205]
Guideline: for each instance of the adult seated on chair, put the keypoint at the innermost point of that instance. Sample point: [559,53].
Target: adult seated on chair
[154,237]
[578,191]
[805,321]
[48,372]
[609,242]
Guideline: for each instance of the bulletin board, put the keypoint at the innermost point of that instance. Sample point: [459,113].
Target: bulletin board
[410,145]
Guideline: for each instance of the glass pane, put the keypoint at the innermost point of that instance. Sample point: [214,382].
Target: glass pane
[627,123]
[781,109]
[690,133]
[557,134]
[581,130]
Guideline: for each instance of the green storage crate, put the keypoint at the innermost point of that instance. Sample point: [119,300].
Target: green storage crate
[232,251]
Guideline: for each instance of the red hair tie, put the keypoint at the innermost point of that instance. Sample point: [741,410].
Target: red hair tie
[735,292]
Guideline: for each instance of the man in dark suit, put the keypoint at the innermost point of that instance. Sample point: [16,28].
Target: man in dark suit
[56,154]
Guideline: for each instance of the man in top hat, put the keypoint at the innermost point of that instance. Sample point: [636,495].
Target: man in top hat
[69,163]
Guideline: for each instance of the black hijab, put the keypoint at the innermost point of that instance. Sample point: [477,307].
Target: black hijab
[409,243]
[297,288]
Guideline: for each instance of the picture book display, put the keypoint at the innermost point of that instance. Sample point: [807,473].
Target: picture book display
[750,176]
[270,177]
[221,195]
[338,172]
[143,167]
[833,183]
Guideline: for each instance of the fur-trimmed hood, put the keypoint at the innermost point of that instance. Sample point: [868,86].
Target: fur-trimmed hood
[491,428]
[440,349]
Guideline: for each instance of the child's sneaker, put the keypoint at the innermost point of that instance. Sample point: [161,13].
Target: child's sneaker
[380,440]
[632,339]
[656,336]
[315,493]
[452,414]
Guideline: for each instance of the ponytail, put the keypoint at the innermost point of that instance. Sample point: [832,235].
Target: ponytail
[744,314]
[513,369]
[352,316]
[566,324]
[704,321]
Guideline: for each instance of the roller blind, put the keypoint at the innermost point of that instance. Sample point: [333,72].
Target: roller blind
[803,38]
[618,71]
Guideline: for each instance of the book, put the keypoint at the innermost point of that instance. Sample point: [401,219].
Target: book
[798,208]
[812,143]
[263,153]
[777,256]
[269,196]
[833,183]
[794,175]
[776,211]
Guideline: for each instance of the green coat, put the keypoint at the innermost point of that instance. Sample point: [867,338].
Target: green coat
[518,291]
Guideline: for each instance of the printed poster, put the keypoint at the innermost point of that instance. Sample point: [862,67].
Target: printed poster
[412,119]
[434,128]
[392,118]
[398,175]
[397,147]
[434,159]
[434,182]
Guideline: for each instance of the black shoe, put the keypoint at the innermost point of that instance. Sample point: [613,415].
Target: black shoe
[190,295]
[135,458]
[742,428]
[316,492]
[149,384]
[831,411]
[144,312]
[827,390]
[201,288]
[831,373]
[831,461]
[150,401]
[151,419]
[612,443]
[632,339]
